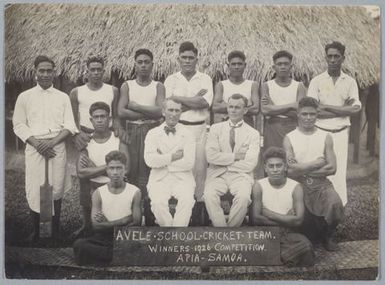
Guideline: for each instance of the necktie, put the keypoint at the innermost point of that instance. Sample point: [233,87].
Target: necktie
[232,136]
[168,130]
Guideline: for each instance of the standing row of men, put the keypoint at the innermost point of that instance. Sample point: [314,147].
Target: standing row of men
[232,148]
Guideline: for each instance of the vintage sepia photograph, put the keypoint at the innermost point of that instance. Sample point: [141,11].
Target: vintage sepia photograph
[191,142]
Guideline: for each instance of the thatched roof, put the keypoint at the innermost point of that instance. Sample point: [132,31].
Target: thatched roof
[70,33]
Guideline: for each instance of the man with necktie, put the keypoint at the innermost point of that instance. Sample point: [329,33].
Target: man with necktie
[232,151]
[170,153]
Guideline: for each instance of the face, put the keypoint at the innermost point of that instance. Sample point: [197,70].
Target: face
[236,109]
[45,74]
[187,61]
[275,168]
[334,59]
[172,112]
[143,65]
[100,120]
[282,66]
[307,117]
[95,71]
[237,66]
[116,171]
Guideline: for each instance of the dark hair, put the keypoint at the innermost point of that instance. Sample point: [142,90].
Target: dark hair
[276,152]
[42,58]
[337,45]
[95,59]
[308,102]
[239,96]
[236,53]
[116,155]
[188,46]
[99,106]
[282,53]
[143,51]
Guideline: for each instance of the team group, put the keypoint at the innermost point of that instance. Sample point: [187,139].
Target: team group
[154,135]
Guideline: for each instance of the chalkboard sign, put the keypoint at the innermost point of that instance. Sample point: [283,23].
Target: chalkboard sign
[197,246]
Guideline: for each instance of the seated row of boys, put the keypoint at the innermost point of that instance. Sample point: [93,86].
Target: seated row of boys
[232,151]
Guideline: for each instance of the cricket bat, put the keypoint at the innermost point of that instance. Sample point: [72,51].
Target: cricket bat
[46,206]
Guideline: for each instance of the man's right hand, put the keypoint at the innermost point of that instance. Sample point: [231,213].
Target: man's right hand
[177,155]
[239,156]
[81,140]
[202,92]
[85,161]
[320,162]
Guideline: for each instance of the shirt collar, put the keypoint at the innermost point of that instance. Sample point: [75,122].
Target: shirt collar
[342,75]
[235,125]
[177,126]
[196,75]
[38,87]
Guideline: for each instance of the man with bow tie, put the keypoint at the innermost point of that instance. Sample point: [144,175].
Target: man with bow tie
[170,153]
[232,151]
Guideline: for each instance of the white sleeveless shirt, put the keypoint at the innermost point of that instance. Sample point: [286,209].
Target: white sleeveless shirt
[307,147]
[283,95]
[143,95]
[230,88]
[278,200]
[117,206]
[86,97]
[97,153]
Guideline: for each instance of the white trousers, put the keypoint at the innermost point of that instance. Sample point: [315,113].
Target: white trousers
[341,145]
[239,187]
[161,191]
[200,166]
[58,175]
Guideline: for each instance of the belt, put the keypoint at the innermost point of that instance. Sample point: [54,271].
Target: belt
[191,123]
[86,130]
[333,131]
[142,122]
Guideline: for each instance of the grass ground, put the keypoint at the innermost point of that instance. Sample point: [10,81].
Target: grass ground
[361,223]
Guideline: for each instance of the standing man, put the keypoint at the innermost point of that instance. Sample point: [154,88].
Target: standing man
[140,108]
[170,152]
[278,201]
[311,159]
[232,152]
[236,84]
[84,96]
[337,94]
[194,90]
[43,119]
[115,204]
[81,100]
[279,101]
[91,165]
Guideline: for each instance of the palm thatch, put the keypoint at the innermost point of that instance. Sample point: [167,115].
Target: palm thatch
[70,33]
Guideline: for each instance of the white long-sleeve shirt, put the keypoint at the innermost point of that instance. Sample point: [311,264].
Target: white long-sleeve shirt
[42,113]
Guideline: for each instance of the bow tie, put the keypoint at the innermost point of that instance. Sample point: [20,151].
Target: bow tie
[168,130]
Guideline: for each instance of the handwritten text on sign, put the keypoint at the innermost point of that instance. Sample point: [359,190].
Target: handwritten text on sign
[196,246]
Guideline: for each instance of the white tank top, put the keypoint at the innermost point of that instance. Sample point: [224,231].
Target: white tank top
[117,206]
[97,153]
[283,95]
[230,88]
[143,95]
[307,147]
[86,97]
[278,200]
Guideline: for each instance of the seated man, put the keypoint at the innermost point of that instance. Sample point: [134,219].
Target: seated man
[115,204]
[91,166]
[232,151]
[170,152]
[278,201]
[311,159]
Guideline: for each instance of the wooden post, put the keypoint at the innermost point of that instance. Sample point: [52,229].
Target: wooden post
[372,115]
